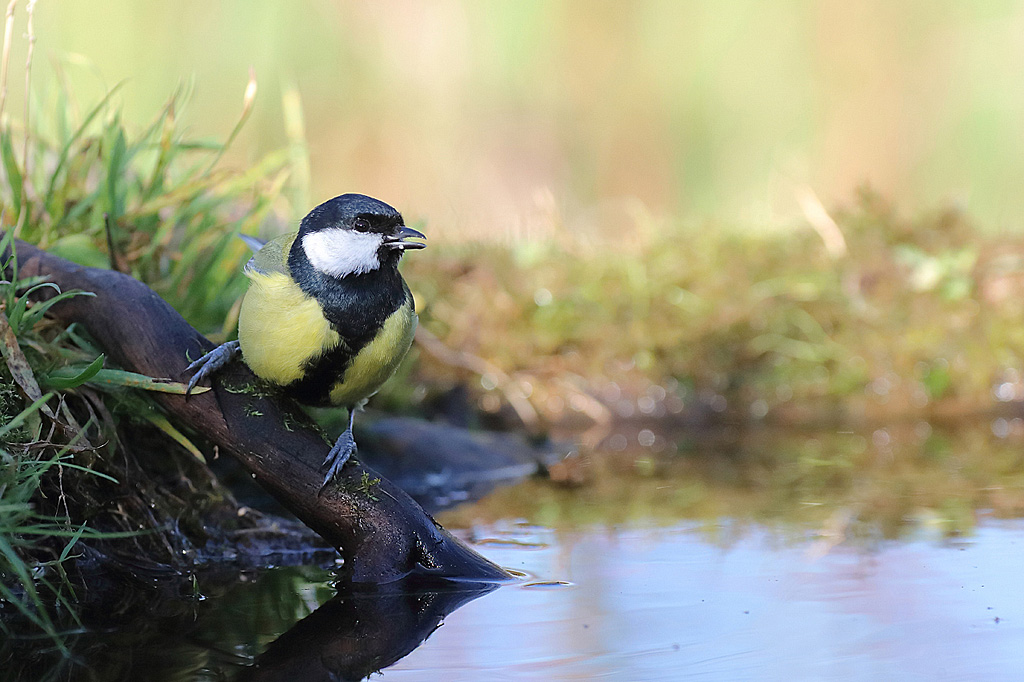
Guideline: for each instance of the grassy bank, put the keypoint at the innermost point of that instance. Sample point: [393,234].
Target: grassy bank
[916,316]
[93,474]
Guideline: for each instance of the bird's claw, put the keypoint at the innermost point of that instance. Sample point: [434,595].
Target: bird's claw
[339,455]
[211,362]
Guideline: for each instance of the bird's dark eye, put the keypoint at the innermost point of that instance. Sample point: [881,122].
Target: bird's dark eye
[361,224]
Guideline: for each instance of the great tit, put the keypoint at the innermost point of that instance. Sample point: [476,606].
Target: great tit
[327,316]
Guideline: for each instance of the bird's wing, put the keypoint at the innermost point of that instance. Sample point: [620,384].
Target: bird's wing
[270,257]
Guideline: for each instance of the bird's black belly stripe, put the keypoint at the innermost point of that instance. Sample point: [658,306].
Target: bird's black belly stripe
[321,374]
[357,307]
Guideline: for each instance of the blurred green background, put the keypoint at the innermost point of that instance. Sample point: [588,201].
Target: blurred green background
[504,119]
[642,215]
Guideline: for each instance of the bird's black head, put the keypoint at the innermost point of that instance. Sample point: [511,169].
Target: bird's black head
[354,234]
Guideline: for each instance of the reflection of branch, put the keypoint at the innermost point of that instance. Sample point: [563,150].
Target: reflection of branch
[476,364]
[834,531]
[357,634]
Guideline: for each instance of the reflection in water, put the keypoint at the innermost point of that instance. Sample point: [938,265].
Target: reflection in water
[358,633]
[846,485]
[238,627]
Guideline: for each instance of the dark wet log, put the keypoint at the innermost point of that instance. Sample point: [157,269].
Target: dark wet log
[381,532]
[440,465]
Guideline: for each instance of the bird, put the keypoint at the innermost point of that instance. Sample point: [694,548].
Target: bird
[327,316]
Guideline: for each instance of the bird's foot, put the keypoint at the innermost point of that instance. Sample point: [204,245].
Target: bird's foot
[211,362]
[338,456]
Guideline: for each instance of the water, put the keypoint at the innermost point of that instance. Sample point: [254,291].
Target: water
[639,604]
[670,604]
[760,557]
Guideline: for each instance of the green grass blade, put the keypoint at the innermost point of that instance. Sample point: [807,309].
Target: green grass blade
[36,615]
[118,377]
[8,255]
[20,418]
[11,168]
[49,530]
[66,149]
[66,378]
[161,422]
[92,472]
[115,175]
[21,305]
[71,543]
[39,309]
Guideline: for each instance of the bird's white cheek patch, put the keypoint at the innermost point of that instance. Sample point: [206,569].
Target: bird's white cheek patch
[341,252]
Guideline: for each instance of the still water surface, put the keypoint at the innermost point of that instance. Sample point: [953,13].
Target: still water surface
[644,604]
[669,604]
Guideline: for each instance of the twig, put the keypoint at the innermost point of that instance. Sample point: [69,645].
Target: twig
[822,222]
[587,404]
[456,358]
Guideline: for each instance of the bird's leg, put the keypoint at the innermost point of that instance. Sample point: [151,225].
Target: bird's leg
[342,450]
[211,362]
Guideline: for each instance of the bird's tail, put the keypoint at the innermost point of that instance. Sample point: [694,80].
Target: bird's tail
[254,243]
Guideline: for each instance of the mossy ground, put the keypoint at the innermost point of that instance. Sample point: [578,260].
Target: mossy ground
[920,317]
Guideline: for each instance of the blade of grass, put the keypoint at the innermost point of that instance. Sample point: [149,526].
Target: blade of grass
[48,198]
[50,531]
[78,467]
[121,378]
[71,543]
[12,170]
[161,422]
[39,309]
[22,416]
[30,36]
[72,377]
[115,175]
[20,305]
[37,615]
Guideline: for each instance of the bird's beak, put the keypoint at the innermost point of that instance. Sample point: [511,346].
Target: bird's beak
[398,239]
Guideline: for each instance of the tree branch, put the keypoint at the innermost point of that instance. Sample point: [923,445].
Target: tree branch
[381,532]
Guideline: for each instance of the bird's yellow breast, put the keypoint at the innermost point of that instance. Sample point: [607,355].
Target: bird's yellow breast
[283,331]
[377,360]
[281,328]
